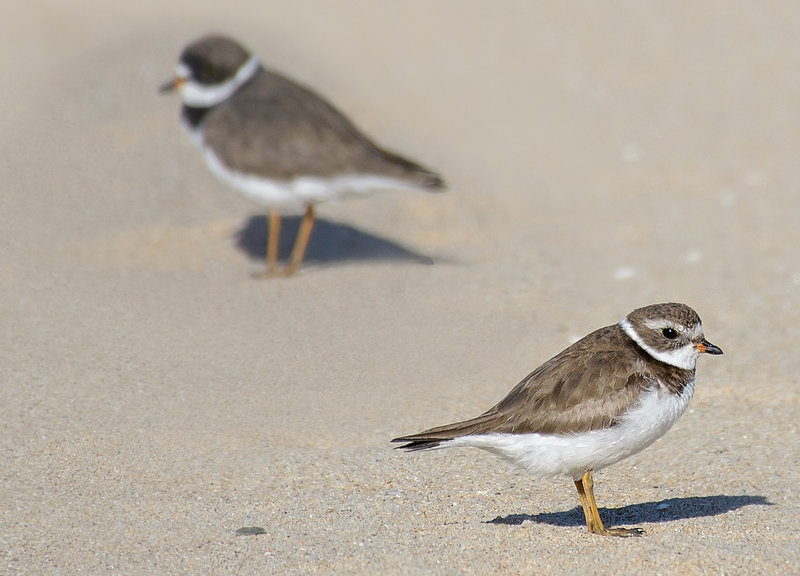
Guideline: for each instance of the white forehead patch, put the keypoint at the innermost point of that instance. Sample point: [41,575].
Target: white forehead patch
[182,71]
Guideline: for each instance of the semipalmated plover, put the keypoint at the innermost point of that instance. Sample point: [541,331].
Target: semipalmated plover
[277,142]
[606,397]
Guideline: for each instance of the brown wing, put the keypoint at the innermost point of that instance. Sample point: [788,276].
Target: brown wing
[585,387]
[279,129]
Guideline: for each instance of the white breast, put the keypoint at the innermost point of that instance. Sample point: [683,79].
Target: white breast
[574,454]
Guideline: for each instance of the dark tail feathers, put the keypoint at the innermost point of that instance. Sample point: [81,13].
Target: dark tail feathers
[414,445]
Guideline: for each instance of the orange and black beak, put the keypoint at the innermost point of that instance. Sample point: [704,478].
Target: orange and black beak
[172,85]
[708,347]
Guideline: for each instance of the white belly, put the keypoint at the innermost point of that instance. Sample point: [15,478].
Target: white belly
[574,454]
[294,195]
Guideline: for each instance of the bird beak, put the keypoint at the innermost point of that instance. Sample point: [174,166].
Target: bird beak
[709,348]
[172,85]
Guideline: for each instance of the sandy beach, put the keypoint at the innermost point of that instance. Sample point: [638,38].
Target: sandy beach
[163,412]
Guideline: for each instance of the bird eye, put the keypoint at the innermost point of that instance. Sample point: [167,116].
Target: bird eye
[669,333]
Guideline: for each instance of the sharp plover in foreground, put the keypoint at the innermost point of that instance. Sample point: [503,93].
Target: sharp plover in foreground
[277,142]
[606,397]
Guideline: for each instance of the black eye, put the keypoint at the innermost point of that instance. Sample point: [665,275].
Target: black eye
[669,333]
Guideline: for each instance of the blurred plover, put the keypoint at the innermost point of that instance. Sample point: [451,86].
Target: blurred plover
[279,143]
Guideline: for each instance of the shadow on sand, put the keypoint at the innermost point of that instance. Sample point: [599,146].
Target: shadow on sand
[330,242]
[647,512]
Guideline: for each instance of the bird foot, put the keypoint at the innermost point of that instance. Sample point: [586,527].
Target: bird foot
[273,272]
[620,532]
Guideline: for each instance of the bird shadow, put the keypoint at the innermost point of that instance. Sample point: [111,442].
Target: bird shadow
[647,512]
[330,242]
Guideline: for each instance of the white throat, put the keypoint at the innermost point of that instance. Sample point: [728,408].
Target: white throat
[198,95]
[684,357]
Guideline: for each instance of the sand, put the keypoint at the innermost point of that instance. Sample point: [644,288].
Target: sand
[156,401]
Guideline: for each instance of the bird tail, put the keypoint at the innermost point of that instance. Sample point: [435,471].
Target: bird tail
[412,172]
[431,180]
[439,436]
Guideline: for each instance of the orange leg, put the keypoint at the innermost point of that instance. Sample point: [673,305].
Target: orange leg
[301,241]
[272,241]
[594,524]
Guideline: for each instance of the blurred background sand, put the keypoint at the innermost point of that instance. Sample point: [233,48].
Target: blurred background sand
[154,398]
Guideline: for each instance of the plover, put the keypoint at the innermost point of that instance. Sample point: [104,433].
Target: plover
[606,397]
[277,142]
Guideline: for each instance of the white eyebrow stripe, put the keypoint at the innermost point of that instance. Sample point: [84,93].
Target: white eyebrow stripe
[696,331]
[661,323]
